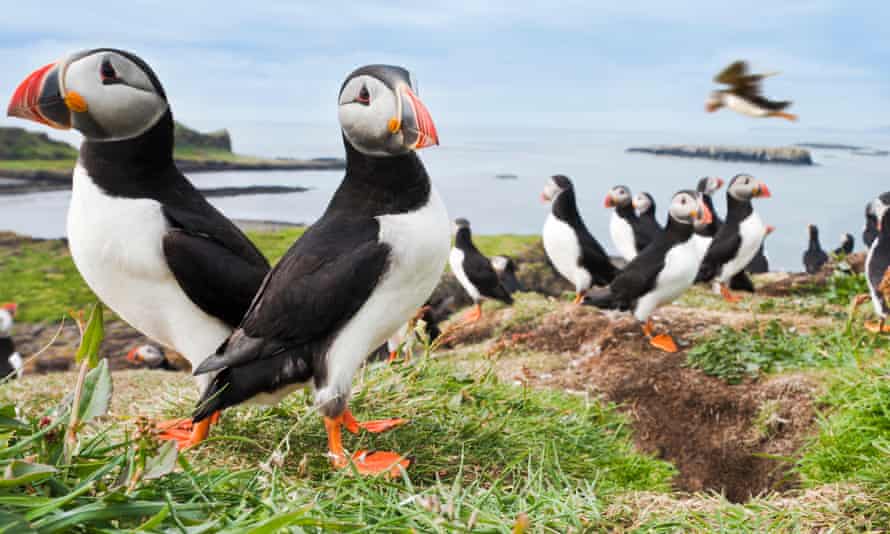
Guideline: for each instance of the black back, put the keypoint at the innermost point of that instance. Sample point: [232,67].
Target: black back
[846,246]
[593,257]
[814,257]
[870,232]
[727,240]
[478,268]
[648,224]
[7,348]
[758,265]
[879,261]
[213,261]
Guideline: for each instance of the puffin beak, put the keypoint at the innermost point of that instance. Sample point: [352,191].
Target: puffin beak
[762,191]
[415,122]
[133,356]
[770,229]
[11,307]
[608,202]
[720,182]
[544,198]
[711,108]
[39,98]
[703,214]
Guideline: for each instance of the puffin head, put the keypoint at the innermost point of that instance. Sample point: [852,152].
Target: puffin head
[556,185]
[618,197]
[7,313]
[709,185]
[643,203]
[744,187]
[881,207]
[813,231]
[380,113]
[461,224]
[10,307]
[714,102]
[148,354]
[688,207]
[104,93]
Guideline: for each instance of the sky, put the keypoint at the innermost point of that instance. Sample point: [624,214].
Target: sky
[637,66]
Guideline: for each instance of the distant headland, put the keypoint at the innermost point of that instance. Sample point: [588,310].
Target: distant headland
[791,155]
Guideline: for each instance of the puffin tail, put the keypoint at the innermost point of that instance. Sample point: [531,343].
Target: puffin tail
[601,298]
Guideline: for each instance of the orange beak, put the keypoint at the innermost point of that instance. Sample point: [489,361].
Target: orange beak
[38,98]
[770,229]
[544,198]
[11,307]
[720,182]
[705,215]
[133,356]
[711,108]
[763,191]
[608,202]
[419,121]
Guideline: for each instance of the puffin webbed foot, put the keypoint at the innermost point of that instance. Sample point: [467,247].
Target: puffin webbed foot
[877,327]
[366,463]
[579,297]
[728,295]
[664,342]
[474,314]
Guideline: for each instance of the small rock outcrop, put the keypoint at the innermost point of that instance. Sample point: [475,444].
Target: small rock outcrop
[783,155]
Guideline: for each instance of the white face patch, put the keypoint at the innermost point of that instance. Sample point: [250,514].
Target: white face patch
[366,107]
[682,207]
[551,190]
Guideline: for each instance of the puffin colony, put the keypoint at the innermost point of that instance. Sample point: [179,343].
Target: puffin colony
[152,248]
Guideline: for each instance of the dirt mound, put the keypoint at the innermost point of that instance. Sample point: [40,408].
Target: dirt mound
[718,436]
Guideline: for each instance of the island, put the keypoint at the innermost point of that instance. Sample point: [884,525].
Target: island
[33,162]
[779,155]
[852,149]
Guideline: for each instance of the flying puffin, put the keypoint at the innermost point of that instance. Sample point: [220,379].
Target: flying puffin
[572,250]
[739,237]
[153,358]
[474,271]
[507,269]
[759,265]
[743,95]
[846,246]
[877,264]
[662,272]
[354,278]
[870,231]
[814,257]
[644,204]
[627,233]
[138,230]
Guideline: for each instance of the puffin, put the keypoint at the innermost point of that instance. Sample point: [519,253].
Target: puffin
[846,246]
[142,236]
[739,238]
[474,271]
[506,269]
[704,233]
[877,264]
[644,204]
[570,247]
[744,95]
[354,277]
[11,362]
[760,263]
[662,272]
[7,317]
[870,230]
[814,257]
[624,226]
[153,357]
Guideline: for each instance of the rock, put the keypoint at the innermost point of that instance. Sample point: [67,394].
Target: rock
[783,155]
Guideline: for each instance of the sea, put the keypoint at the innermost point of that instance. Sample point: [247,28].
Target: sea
[493,177]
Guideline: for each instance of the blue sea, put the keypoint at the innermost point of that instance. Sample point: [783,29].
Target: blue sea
[831,194]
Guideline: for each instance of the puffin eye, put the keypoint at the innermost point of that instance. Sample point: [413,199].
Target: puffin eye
[364,97]
[107,72]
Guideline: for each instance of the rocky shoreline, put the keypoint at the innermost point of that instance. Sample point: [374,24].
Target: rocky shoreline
[778,155]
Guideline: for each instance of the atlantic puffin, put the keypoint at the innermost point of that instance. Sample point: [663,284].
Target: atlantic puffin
[743,95]
[432,313]
[870,231]
[474,271]
[846,246]
[759,265]
[143,238]
[644,204]
[662,272]
[624,225]
[7,317]
[506,269]
[739,237]
[354,278]
[572,250]
[814,257]
[877,265]
[151,356]
[704,233]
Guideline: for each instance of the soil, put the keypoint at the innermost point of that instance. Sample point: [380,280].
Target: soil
[720,437]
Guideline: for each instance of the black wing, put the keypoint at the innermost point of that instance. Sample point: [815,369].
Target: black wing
[639,276]
[314,290]
[723,248]
[732,74]
[594,258]
[480,272]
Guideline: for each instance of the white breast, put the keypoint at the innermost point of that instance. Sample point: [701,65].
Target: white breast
[116,244]
[740,105]
[753,232]
[622,236]
[419,243]
[876,298]
[702,244]
[456,260]
[681,265]
[562,247]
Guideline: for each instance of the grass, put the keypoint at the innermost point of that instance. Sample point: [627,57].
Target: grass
[62,165]
[733,354]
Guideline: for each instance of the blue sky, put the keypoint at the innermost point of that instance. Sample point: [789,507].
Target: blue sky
[619,65]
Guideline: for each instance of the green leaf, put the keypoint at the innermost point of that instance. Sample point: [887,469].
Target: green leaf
[19,473]
[93,335]
[10,522]
[163,463]
[96,394]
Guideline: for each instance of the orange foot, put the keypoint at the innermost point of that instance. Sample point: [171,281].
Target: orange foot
[663,342]
[878,327]
[366,463]
[578,298]
[782,115]
[474,314]
[186,433]
[728,296]
[393,354]
[375,427]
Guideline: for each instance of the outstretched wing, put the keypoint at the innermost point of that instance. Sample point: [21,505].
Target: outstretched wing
[732,74]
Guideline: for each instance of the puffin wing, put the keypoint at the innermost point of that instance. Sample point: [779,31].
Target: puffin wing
[723,248]
[595,259]
[639,276]
[480,272]
[732,74]
[214,263]
[319,285]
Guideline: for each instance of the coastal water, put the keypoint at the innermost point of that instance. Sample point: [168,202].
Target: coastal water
[831,194]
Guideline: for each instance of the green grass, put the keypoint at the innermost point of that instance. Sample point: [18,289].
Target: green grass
[38,164]
[735,354]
